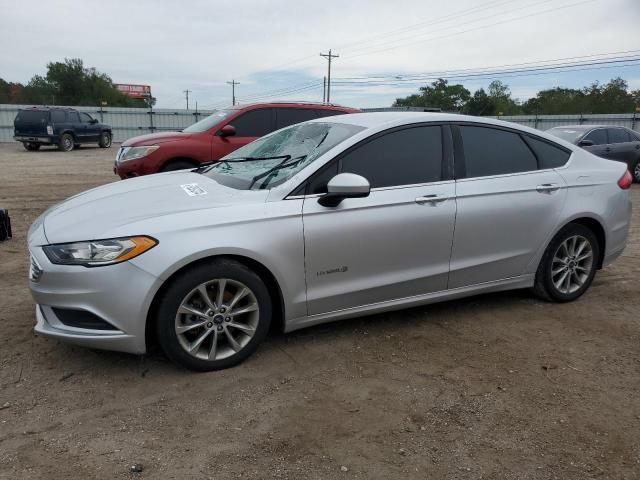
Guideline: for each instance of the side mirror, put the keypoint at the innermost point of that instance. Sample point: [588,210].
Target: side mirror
[344,185]
[93,121]
[227,131]
[586,143]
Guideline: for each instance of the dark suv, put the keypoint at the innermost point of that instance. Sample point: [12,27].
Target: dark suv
[65,127]
[614,143]
[214,137]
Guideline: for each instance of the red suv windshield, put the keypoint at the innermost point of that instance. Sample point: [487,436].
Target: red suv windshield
[206,123]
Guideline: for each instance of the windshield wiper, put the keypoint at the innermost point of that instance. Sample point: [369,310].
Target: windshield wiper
[240,160]
[273,170]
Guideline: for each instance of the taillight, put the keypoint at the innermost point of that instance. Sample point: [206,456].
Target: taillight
[49,130]
[625,180]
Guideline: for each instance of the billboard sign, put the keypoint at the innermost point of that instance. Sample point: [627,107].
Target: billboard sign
[133,90]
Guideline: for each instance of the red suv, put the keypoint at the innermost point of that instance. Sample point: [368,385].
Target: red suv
[213,137]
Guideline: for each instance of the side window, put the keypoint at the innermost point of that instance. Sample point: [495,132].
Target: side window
[549,156]
[72,117]
[254,123]
[57,116]
[84,118]
[328,113]
[318,184]
[489,151]
[618,135]
[598,136]
[403,157]
[291,116]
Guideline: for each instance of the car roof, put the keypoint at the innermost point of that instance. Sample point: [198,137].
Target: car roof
[587,127]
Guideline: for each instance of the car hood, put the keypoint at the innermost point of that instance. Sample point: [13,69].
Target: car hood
[97,213]
[155,139]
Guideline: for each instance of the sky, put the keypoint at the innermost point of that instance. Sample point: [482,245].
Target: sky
[272,47]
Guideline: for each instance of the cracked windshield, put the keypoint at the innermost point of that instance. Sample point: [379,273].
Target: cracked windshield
[271,160]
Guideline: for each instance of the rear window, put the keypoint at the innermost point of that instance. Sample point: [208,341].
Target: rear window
[549,156]
[32,116]
[57,116]
[618,135]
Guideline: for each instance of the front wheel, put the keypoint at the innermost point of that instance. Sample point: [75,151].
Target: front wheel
[105,140]
[213,316]
[568,265]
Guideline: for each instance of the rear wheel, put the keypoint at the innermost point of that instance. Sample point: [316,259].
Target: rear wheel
[213,316]
[568,265]
[177,165]
[66,142]
[105,140]
[31,147]
[635,172]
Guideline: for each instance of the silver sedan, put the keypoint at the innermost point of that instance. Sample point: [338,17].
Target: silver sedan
[320,221]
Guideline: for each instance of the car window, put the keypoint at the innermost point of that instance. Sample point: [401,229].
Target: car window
[328,113]
[402,157]
[72,117]
[58,116]
[635,136]
[32,116]
[618,135]
[598,136]
[549,156]
[254,123]
[489,151]
[291,116]
[84,118]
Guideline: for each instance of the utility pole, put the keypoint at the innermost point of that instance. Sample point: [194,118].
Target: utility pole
[324,89]
[329,56]
[187,92]
[233,84]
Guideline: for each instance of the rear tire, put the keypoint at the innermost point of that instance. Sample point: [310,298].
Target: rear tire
[31,147]
[177,165]
[568,265]
[235,316]
[66,142]
[635,171]
[105,140]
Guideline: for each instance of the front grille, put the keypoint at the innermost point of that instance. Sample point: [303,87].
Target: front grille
[35,270]
[81,319]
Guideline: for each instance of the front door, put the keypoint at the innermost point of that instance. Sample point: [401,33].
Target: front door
[393,244]
[249,126]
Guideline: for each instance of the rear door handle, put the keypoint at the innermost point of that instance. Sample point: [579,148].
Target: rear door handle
[547,188]
[431,199]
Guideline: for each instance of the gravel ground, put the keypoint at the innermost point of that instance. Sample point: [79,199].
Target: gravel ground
[496,386]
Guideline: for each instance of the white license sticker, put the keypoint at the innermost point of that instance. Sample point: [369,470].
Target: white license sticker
[193,189]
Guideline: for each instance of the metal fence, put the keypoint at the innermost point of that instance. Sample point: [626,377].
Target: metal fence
[130,122]
[125,122]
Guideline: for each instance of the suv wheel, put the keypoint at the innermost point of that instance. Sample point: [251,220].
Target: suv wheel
[568,265]
[66,143]
[635,172]
[213,316]
[105,140]
[31,147]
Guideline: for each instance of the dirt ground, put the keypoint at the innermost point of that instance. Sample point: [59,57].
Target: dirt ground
[499,386]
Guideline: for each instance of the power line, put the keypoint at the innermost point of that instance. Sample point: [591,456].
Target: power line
[329,56]
[187,92]
[233,84]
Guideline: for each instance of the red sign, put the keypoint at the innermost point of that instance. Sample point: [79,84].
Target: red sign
[134,91]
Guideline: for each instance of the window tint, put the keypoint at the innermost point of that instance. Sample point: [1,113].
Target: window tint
[618,135]
[488,151]
[598,137]
[291,116]
[32,116]
[403,157]
[58,116]
[255,123]
[328,113]
[549,156]
[84,118]
[635,136]
[72,117]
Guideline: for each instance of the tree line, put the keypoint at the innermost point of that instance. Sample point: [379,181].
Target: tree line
[68,83]
[612,97]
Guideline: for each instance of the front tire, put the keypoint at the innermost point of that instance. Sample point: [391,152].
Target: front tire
[568,265]
[213,316]
[66,142]
[105,140]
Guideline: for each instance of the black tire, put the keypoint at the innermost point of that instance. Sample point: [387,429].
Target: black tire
[177,165]
[183,286]
[31,147]
[635,171]
[66,142]
[544,286]
[105,140]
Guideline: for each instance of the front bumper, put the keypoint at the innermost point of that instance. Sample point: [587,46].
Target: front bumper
[119,294]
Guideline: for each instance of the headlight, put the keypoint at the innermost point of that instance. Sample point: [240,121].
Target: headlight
[133,153]
[98,252]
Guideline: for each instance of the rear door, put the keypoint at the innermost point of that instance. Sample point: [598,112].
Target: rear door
[31,123]
[290,116]
[249,126]
[622,147]
[506,205]
[393,244]
[73,122]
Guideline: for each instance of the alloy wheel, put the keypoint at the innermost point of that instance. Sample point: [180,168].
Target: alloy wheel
[572,264]
[217,319]
[636,172]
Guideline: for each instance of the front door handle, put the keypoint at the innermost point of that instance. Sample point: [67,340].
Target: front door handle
[547,188]
[431,199]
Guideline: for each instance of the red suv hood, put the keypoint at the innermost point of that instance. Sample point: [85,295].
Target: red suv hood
[155,139]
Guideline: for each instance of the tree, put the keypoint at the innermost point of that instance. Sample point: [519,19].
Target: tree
[437,95]
[500,95]
[480,104]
